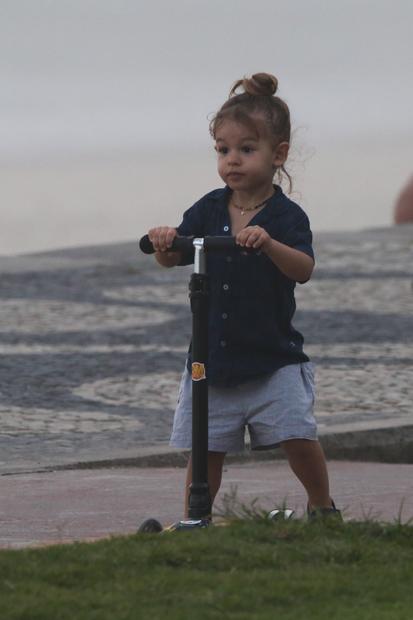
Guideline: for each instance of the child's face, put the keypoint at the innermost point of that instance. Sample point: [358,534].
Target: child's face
[246,161]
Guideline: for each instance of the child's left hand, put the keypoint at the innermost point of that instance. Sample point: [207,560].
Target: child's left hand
[253,237]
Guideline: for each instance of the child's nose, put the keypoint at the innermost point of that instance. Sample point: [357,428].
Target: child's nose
[233,157]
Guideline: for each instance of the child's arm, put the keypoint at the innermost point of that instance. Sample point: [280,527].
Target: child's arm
[294,264]
[168,259]
[162,238]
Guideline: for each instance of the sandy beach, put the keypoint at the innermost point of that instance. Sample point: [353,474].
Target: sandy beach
[69,202]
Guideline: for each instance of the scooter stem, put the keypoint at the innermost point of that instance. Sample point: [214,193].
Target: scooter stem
[199,495]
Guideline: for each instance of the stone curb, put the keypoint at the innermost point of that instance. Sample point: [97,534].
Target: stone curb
[385,445]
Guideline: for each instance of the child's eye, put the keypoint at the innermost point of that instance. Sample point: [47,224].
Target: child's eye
[247,149]
[222,150]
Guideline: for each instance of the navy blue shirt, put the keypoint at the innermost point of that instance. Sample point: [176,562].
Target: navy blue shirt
[251,302]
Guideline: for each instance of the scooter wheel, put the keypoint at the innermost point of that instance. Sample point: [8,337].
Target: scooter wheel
[150,526]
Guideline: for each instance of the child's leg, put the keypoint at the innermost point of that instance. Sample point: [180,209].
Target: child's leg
[215,464]
[308,462]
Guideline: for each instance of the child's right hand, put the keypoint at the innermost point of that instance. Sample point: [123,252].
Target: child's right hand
[162,238]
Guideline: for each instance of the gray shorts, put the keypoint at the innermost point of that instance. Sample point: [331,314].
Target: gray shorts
[274,408]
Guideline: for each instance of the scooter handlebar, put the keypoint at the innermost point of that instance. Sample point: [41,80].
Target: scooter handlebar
[184,244]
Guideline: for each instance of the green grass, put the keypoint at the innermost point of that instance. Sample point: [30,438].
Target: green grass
[251,569]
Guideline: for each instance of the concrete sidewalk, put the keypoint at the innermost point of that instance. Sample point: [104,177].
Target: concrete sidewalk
[66,506]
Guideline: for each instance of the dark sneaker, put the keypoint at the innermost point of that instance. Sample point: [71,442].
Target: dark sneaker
[324,513]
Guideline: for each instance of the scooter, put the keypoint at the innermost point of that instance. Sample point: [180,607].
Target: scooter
[200,506]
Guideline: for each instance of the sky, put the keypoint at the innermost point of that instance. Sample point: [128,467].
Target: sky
[104,78]
[86,74]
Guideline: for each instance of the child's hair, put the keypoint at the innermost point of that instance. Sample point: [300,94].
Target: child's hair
[259,109]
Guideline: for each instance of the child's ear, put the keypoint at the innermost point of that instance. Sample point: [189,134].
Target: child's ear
[281,153]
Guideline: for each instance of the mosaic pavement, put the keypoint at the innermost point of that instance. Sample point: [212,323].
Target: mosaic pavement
[93,342]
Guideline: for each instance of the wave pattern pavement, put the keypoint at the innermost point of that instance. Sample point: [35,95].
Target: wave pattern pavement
[93,343]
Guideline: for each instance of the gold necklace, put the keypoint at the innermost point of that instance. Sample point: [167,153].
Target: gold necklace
[244,210]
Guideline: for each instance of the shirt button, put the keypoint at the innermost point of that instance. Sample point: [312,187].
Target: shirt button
[223,343]
[224,315]
[229,259]
[225,287]
[226,228]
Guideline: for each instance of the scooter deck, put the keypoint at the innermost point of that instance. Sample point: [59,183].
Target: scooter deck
[152,526]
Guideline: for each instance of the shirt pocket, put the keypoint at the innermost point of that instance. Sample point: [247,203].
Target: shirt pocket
[308,372]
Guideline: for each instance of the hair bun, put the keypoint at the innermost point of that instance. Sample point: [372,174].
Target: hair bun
[257,84]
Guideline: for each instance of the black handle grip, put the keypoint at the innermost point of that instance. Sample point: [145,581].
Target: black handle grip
[179,244]
[185,244]
[145,245]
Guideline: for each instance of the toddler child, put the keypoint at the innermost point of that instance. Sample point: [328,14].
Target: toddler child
[259,376]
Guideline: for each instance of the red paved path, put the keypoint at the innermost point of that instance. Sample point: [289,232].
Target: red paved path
[87,504]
